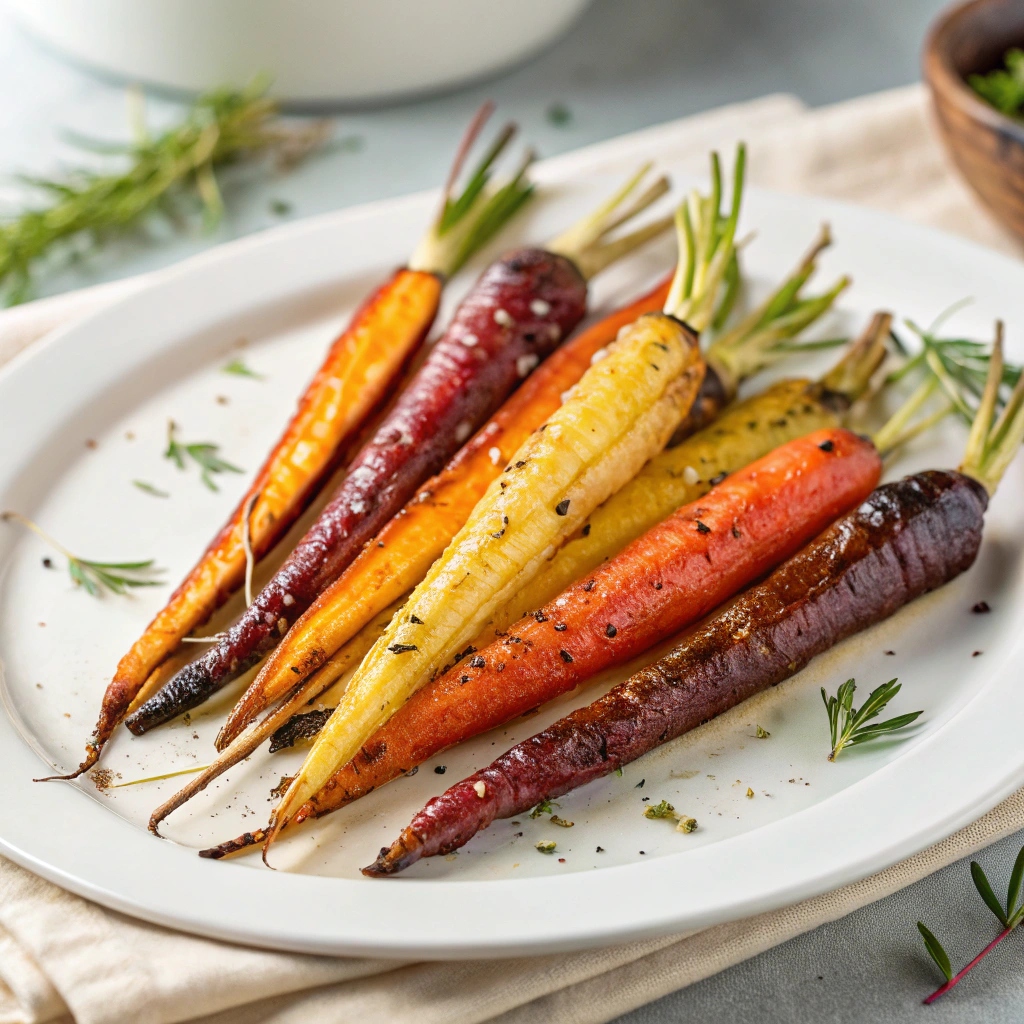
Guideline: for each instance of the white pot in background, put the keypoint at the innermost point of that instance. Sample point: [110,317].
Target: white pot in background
[316,50]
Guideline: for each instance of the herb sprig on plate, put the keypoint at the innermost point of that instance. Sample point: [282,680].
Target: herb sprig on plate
[1008,916]
[849,725]
[95,577]
[202,453]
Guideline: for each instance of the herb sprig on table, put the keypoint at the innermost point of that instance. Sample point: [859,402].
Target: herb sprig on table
[1003,88]
[151,174]
[95,577]
[1008,917]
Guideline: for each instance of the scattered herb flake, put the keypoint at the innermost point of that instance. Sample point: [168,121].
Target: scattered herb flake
[559,115]
[148,488]
[238,368]
[762,733]
[547,846]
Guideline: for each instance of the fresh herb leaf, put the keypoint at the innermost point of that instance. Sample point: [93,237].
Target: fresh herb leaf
[559,115]
[1003,88]
[148,488]
[96,577]
[1009,918]
[85,207]
[981,883]
[849,726]
[238,368]
[935,951]
[544,807]
[202,453]
[280,207]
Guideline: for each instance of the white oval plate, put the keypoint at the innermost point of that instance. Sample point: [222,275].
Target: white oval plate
[115,379]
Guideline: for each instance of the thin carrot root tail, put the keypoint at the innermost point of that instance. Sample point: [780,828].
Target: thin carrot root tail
[401,854]
[88,763]
[246,841]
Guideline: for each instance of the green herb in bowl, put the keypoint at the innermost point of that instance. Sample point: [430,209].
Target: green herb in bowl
[1003,88]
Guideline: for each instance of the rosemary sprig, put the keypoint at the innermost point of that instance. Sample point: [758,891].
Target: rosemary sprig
[95,577]
[849,725]
[154,173]
[239,368]
[1009,917]
[202,453]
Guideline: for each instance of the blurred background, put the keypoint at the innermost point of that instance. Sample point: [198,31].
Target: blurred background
[617,67]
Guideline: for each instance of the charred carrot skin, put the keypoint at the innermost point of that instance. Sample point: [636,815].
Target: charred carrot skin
[518,312]
[356,375]
[410,542]
[908,538]
[667,579]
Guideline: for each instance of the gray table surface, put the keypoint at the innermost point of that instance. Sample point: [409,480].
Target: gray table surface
[625,66]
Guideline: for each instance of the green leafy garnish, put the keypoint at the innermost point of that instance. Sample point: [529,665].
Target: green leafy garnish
[665,810]
[1008,916]
[935,951]
[849,726]
[95,577]
[280,207]
[238,368]
[148,488]
[153,174]
[559,115]
[202,453]
[544,807]
[1003,88]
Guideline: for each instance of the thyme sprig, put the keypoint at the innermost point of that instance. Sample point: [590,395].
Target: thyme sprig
[849,726]
[154,174]
[202,453]
[1008,916]
[95,577]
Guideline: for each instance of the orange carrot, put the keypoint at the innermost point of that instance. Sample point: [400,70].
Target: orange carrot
[667,579]
[403,551]
[356,377]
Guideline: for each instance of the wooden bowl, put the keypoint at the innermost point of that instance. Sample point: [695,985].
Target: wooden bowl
[986,146]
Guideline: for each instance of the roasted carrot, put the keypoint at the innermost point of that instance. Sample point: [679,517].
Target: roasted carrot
[519,311]
[431,722]
[404,550]
[622,411]
[356,376]
[906,539]
[674,574]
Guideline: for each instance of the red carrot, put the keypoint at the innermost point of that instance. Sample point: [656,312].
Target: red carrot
[906,539]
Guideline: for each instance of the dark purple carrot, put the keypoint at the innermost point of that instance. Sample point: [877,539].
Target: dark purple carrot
[517,313]
[906,539]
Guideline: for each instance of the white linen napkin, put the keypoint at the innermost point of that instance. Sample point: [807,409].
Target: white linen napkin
[68,961]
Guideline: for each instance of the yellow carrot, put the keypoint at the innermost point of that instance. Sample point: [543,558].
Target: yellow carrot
[620,414]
